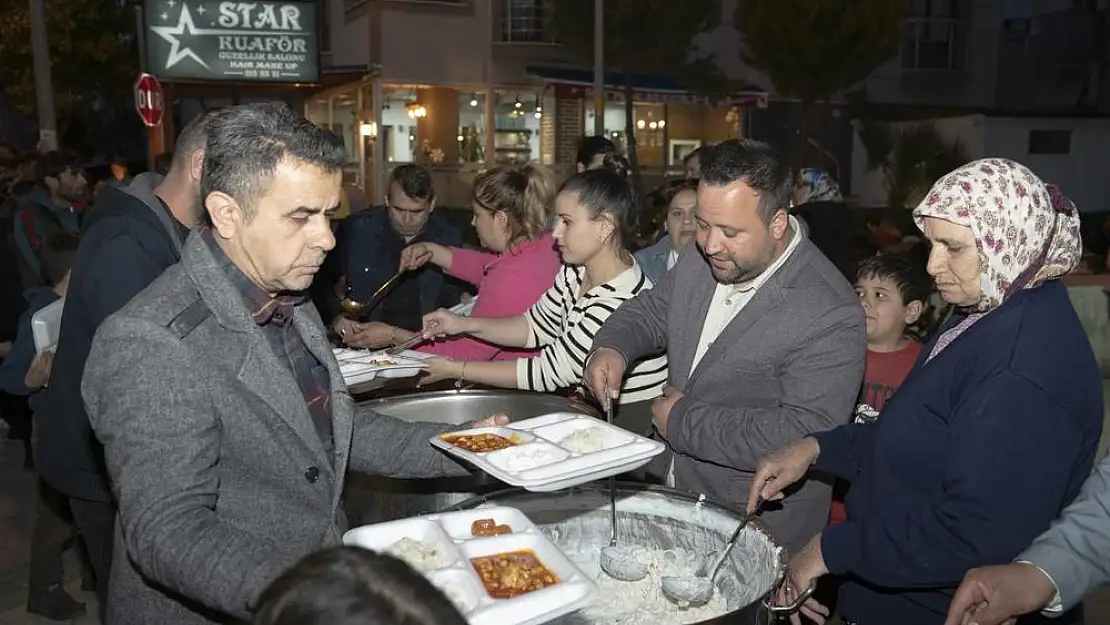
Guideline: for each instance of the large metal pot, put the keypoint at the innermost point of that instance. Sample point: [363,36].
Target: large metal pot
[373,499]
[657,518]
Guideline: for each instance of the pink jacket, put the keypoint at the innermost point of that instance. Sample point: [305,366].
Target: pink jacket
[508,285]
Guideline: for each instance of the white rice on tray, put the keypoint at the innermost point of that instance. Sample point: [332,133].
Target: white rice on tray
[587,440]
[422,557]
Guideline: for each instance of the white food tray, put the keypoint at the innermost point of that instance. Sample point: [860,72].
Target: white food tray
[450,536]
[357,365]
[622,451]
[46,324]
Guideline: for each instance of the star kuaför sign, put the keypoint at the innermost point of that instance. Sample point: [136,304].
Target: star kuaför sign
[228,41]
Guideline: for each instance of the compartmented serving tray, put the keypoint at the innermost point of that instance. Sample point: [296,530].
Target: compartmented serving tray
[442,546]
[554,451]
[360,365]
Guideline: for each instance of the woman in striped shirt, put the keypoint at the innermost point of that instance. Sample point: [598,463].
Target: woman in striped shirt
[596,212]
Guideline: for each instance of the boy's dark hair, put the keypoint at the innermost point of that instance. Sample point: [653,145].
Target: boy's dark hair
[415,181]
[353,586]
[58,252]
[913,282]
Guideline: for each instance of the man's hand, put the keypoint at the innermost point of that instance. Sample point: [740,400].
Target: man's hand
[497,420]
[661,408]
[38,374]
[781,469]
[999,594]
[805,569]
[603,374]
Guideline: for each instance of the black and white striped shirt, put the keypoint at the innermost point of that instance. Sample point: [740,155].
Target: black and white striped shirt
[564,323]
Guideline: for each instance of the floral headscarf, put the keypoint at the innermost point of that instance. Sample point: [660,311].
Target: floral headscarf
[818,186]
[1026,231]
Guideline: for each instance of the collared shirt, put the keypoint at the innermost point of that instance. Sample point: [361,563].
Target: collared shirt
[274,315]
[672,258]
[728,300]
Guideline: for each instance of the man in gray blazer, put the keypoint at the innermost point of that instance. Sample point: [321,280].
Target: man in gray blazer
[1054,574]
[226,425]
[765,339]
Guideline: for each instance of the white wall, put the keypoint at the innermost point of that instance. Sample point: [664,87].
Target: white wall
[426,47]
[1081,174]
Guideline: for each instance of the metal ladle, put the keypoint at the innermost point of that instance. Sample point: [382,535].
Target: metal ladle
[698,590]
[354,308]
[618,562]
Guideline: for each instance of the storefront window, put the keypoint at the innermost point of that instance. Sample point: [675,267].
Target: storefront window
[398,132]
[517,116]
[472,127]
[614,122]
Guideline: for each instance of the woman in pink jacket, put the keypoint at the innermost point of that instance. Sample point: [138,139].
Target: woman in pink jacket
[512,214]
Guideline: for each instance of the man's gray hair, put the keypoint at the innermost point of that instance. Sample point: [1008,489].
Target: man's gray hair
[246,143]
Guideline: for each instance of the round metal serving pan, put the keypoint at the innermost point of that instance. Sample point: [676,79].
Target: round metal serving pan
[754,613]
[374,499]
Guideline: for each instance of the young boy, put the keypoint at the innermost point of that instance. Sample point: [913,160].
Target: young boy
[25,373]
[892,290]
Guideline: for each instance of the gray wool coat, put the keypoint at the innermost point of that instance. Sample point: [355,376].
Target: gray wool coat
[221,479]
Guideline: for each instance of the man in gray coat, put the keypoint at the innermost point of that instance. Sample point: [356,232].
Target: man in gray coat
[1054,574]
[764,336]
[226,425]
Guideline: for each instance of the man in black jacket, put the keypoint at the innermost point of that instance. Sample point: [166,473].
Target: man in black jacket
[132,235]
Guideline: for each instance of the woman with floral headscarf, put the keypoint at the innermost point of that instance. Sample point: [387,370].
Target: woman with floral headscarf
[990,435]
[817,202]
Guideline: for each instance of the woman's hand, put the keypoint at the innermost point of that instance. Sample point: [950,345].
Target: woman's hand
[38,374]
[805,569]
[344,326]
[443,323]
[440,369]
[781,469]
[418,254]
[373,335]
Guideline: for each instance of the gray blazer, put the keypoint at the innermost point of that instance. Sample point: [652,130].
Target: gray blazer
[787,365]
[1075,551]
[221,479]
[653,259]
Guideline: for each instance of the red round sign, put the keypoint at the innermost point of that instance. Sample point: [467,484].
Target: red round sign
[148,99]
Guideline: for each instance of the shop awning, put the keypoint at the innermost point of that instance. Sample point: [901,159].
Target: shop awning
[579,83]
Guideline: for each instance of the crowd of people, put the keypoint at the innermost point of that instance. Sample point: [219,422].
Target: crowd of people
[193,429]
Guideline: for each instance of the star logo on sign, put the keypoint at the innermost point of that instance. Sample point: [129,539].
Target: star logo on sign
[171,33]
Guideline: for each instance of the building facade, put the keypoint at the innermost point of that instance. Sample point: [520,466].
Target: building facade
[462,85]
